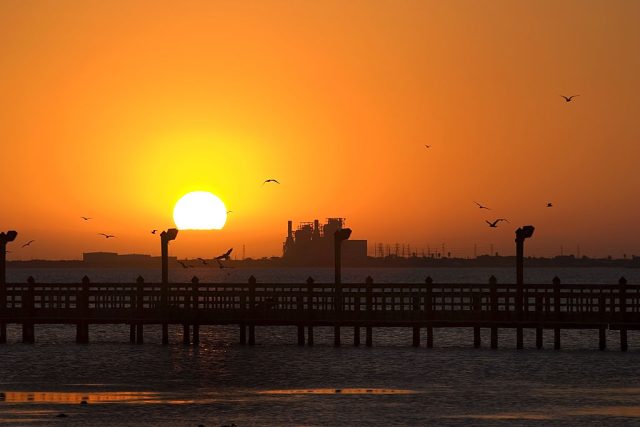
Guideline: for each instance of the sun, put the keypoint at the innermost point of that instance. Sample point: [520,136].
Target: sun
[199,210]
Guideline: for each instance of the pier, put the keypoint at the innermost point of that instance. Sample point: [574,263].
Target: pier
[550,308]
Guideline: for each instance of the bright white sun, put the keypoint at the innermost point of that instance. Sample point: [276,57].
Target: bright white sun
[199,210]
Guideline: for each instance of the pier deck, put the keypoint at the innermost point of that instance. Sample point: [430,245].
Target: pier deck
[426,305]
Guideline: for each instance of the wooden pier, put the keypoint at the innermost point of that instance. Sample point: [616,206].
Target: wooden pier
[552,307]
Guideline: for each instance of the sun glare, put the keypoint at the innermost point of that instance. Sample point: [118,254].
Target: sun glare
[199,210]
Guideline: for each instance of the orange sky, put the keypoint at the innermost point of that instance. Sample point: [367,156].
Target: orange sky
[116,109]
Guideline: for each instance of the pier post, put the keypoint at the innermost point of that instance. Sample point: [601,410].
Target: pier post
[356,336]
[139,303]
[602,331]
[165,238]
[28,332]
[522,233]
[243,334]
[477,309]
[369,307]
[82,325]
[310,282]
[186,339]
[252,308]
[300,314]
[557,313]
[195,309]
[493,291]
[539,315]
[416,317]
[5,238]
[416,336]
[602,338]
[428,309]
[623,310]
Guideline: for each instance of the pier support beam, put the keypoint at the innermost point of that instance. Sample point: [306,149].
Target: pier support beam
[310,335]
[336,336]
[602,341]
[369,336]
[416,336]
[519,339]
[477,340]
[3,333]
[165,334]
[186,338]
[140,333]
[494,337]
[28,333]
[556,338]
[132,333]
[82,333]
[429,336]
[196,334]
[539,332]
[623,339]
[5,238]
[300,335]
[356,335]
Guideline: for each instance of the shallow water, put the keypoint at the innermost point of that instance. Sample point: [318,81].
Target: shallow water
[277,383]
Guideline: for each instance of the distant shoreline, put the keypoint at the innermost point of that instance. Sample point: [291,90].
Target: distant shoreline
[370,262]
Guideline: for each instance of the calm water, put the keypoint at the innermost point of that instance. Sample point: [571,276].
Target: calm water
[277,383]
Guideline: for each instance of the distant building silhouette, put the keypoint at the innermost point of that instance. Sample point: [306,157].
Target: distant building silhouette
[114,259]
[311,244]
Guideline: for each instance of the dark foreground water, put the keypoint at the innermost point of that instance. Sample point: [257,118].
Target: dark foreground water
[277,383]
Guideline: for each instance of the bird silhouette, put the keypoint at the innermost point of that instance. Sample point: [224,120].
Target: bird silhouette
[549,205]
[225,256]
[86,218]
[568,98]
[494,224]
[270,180]
[221,265]
[107,236]
[427,146]
[203,261]
[154,231]
[183,264]
[28,243]
[228,212]
[481,206]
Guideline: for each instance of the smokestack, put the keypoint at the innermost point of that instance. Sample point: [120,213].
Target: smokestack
[289,229]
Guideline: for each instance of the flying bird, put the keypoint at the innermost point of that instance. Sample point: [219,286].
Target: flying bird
[494,224]
[86,218]
[107,236]
[222,265]
[228,212]
[203,261]
[481,206]
[549,205]
[154,231]
[568,98]
[183,264]
[270,180]
[427,146]
[225,255]
[28,243]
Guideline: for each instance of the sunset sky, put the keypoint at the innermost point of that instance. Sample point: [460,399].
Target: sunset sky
[115,109]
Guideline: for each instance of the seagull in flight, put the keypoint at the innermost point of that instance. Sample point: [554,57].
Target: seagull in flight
[28,243]
[427,146]
[107,236]
[494,224]
[568,98]
[228,212]
[221,265]
[203,261]
[549,204]
[270,180]
[183,264]
[154,231]
[225,256]
[86,218]
[481,206]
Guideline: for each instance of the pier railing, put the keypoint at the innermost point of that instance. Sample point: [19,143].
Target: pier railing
[491,305]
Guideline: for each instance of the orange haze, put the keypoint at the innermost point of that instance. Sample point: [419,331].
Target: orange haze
[115,109]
